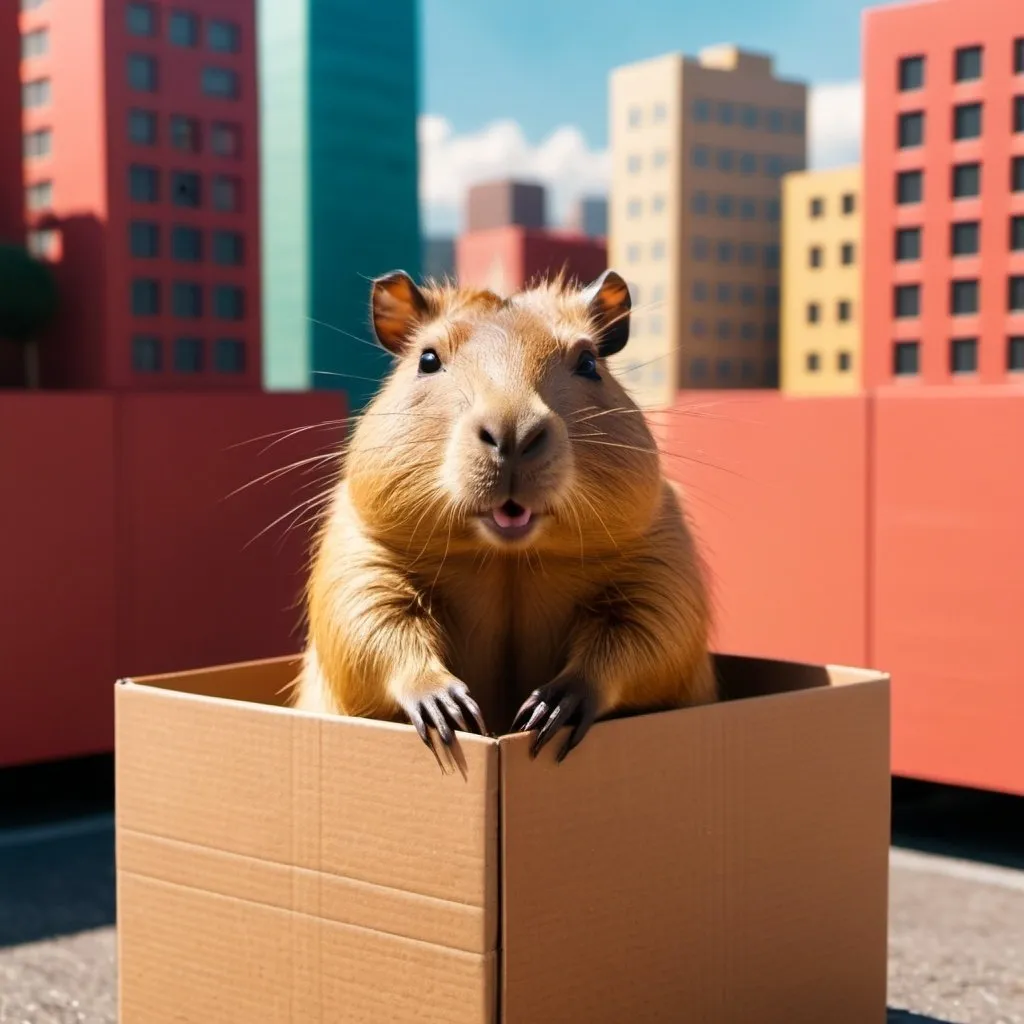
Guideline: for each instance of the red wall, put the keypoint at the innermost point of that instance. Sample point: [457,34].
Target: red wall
[123,552]
[12,193]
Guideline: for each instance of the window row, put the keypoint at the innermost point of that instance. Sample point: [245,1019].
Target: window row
[966,123]
[963,356]
[968,65]
[727,330]
[965,181]
[185,133]
[964,239]
[725,292]
[226,248]
[847,203]
[964,298]
[728,160]
[144,76]
[186,299]
[724,371]
[183,28]
[844,362]
[37,144]
[725,251]
[189,355]
[844,311]
[816,255]
[186,188]
[727,206]
[31,5]
[746,115]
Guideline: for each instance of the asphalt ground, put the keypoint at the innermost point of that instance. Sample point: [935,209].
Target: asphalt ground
[956,950]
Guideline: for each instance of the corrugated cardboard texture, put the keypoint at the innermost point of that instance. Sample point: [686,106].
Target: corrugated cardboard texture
[724,864]
[275,866]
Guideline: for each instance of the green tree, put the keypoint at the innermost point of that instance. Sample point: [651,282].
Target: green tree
[28,303]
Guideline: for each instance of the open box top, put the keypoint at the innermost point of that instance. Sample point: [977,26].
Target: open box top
[730,859]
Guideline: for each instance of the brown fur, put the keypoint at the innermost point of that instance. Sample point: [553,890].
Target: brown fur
[407,590]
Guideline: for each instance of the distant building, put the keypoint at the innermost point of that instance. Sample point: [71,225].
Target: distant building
[499,204]
[590,216]
[699,147]
[12,185]
[141,184]
[339,183]
[506,259]
[438,258]
[944,192]
[821,271]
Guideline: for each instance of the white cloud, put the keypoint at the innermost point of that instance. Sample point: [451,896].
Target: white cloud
[563,162]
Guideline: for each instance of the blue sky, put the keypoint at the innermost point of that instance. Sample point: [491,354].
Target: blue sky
[545,63]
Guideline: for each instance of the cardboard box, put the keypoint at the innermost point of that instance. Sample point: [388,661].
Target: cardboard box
[720,864]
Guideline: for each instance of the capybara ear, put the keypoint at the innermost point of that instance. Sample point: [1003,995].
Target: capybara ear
[609,305]
[398,308]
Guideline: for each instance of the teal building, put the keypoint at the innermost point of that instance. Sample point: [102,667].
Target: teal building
[339,97]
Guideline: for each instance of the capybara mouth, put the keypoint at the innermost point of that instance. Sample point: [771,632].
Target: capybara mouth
[510,521]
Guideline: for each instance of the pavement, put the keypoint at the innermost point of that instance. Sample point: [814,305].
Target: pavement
[956,952]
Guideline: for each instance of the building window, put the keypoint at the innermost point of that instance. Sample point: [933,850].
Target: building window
[42,242]
[797,122]
[634,117]
[966,180]
[1015,354]
[909,187]
[905,358]
[748,371]
[37,144]
[145,297]
[144,239]
[748,332]
[771,296]
[143,184]
[723,293]
[843,362]
[908,244]
[147,353]
[843,310]
[229,355]
[702,111]
[633,254]
[907,300]
[657,250]
[187,300]
[911,73]
[748,209]
[228,302]
[725,251]
[726,159]
[748,255]
[226,139]
[657,204]
[963,355]
[772,209]
[1018,56]
[724,206]
[39,196]
[846,254]
[701,248]
[1018,113]
[723,329]
[35,93]
[659,113]
[816,207]
[723,369]
[141,19]
[35,43]
[183,29]
[698,369]
[771,372]
[964,238]
[776,121]
[186,189]
[633,164]
[813,313]
[748,295]
[701,156]
[968,63]
[726,113]
[1017,174]
[699,291]
[967,121]
[660,158]
[814,256]
[186,244]
[142,73]
[142,127]
[700,203]
[774,166]
[186,134]
[222,82]
[849,203]
[223,36]
[633,208]
[1016,294]
[698,328]
[748,163]
[771,333]
[748,116]
[1017,233]
[910,130]
[771,257]
[813,362]
[188,355]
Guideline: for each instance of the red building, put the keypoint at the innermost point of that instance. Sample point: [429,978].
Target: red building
[141,184]
[12,221]
[944,192]
[507,258]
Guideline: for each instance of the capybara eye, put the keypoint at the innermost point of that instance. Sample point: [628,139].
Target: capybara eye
[430,362]
[586,366]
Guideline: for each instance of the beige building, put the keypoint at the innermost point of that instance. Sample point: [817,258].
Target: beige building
[821,270]
[699,148]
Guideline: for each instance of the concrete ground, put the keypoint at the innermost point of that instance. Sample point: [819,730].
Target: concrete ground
[956,923]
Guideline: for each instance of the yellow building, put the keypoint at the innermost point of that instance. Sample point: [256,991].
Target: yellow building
[821,251]
[698,150]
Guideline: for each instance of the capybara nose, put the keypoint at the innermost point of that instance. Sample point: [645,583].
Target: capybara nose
[535,440]
[515,442]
